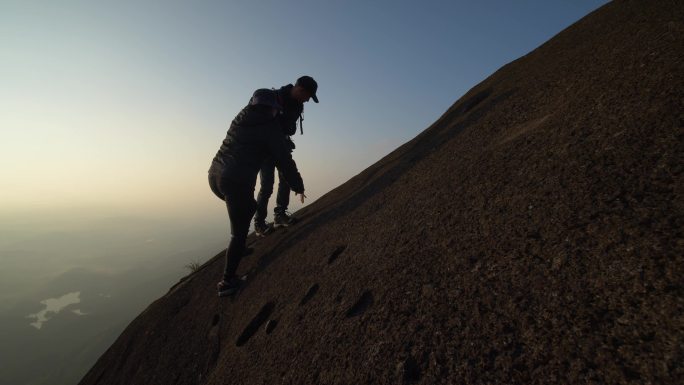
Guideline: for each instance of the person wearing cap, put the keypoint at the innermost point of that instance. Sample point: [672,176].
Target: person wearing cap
[254,135]
[292,99]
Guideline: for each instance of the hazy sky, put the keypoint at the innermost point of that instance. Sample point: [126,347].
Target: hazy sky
[123,104]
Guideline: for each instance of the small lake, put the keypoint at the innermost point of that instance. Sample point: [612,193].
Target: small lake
[54,306]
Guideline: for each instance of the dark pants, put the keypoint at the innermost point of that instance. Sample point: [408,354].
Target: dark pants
[241,206]
[267,176]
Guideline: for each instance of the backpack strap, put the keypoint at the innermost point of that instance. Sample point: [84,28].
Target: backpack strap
[301,123]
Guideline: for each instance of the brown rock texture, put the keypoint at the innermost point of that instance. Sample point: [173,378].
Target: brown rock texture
[531,235]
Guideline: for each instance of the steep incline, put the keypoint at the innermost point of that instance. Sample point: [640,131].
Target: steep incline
[533,234]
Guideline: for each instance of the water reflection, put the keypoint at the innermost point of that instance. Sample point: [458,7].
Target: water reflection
[54,306]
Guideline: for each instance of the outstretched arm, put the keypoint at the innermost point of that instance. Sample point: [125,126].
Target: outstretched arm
[283,159]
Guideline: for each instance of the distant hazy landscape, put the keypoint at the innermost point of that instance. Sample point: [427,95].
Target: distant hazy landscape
[69,285]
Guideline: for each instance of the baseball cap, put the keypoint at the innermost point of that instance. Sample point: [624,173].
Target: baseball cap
[310,85]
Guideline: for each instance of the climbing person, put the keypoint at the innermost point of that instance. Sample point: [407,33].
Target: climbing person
[253,136]
[292,99]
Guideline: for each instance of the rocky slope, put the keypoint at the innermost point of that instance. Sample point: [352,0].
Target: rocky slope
[532,235]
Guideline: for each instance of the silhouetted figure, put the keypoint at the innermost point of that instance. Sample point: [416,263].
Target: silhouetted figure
[254,135]
[292,99]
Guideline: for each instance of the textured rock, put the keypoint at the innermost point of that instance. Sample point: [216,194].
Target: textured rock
[532,235]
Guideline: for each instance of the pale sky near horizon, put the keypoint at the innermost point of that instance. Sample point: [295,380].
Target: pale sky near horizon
[122,105]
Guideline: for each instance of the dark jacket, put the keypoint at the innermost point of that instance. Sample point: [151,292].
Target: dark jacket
[255,135]
[291,110]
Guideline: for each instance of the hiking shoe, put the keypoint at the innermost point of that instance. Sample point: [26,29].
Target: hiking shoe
[283,219]
[228,287]
[261,229]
